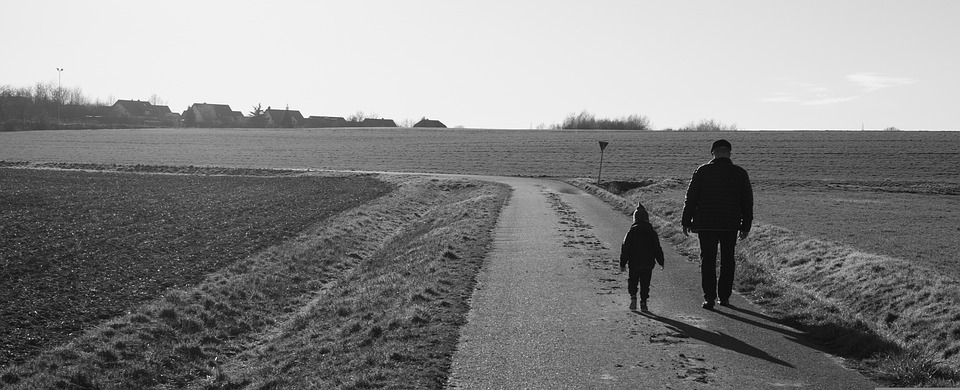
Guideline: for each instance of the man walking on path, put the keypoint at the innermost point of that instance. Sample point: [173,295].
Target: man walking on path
[718,204]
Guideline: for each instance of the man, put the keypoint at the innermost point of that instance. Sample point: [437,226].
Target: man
[718,204]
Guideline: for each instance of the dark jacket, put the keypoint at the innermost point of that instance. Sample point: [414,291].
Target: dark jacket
[719,198]
[641,247]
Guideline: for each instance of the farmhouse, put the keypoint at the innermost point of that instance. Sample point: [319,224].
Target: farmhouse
[137,112]
[211,115]
[326,121]
[430,123]
[284,118]
[371,122]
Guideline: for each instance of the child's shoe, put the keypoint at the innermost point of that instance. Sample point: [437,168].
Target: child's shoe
[643,306]
[633,303]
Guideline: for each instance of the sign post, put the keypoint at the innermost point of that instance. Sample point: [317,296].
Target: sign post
[603,145]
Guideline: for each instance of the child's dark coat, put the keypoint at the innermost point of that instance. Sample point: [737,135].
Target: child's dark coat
[641,246]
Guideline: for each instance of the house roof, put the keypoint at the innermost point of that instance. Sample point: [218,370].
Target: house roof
[160,110]
[430,123]
[277,114]
[133,107]
[141,108]
[219,109]
[326,121]
[205,112]
[371,122]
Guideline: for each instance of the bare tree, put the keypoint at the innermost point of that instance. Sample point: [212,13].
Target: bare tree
[359,116]
[157,101]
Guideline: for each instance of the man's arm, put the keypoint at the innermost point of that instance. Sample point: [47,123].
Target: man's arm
[746,206]
[690,202]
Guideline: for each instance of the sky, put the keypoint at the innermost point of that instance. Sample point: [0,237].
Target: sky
[761,64]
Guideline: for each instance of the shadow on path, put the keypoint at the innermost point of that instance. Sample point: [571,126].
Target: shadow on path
[716,338]
[791,334]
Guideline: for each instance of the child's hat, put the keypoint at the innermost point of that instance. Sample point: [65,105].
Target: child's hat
[640,214]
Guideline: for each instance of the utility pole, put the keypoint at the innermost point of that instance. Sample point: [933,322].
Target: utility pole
[59,93]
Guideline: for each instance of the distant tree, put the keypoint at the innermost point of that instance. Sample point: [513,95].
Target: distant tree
[891,128]
[588,121]
[43,93]
[157,101]
[708,125]
[356,117]
[407,122]
[359,116]
[75,96]
[258,117]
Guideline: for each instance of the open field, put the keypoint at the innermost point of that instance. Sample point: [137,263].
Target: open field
[828,157]
[384,286]
[81,247]
[891,193]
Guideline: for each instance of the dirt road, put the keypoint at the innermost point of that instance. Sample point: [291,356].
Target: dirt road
[550,311]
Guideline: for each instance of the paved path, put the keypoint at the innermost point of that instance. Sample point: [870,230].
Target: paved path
[550,312]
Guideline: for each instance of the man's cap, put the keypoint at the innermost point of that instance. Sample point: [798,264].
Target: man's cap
[721,144]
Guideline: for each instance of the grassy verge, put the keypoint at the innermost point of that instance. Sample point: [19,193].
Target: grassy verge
[895,321]
[372,296]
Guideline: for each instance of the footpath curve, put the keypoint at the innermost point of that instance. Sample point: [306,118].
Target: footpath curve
[550,311]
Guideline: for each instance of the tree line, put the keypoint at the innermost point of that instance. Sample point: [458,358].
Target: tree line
[587,121]
[43,104]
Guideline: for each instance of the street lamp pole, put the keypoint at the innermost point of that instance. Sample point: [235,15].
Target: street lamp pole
[59,93]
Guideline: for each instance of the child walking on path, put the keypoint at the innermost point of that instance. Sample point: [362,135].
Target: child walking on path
[640,250]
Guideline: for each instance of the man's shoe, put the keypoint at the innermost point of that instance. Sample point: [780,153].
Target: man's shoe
[633,303]
[724,303]
[643,306]
[707,305]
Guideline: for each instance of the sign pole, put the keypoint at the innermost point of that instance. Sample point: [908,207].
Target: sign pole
[603,145]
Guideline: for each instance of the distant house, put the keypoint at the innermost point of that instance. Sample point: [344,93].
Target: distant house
[326,121]
[430,123]
[284,118]
[371,122]
[212,115]
[136,112]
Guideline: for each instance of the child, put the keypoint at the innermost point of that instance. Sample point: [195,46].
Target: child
[640,249]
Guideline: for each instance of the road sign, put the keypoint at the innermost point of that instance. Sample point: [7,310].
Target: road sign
[603,145]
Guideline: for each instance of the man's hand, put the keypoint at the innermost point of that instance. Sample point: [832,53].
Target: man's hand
[623,268]
[686,231]
[743,235]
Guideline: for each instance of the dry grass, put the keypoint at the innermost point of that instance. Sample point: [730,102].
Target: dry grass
[897,321]
[371,297]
